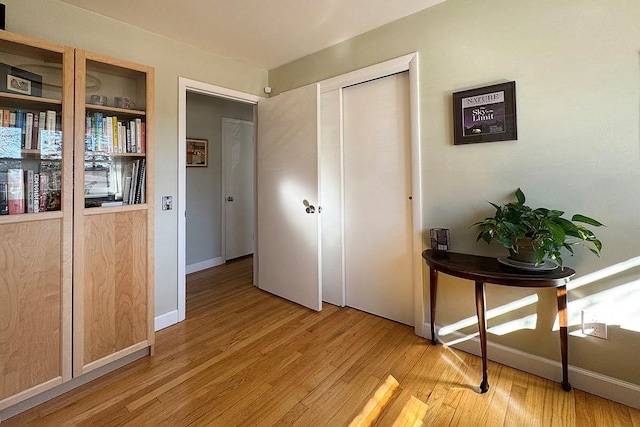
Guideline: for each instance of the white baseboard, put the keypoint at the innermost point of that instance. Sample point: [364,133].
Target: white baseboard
[582,379]
[203,265]
[166,320]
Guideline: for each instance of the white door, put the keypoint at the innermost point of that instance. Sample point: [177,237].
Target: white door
[287,190]
[377,198]
[238,167]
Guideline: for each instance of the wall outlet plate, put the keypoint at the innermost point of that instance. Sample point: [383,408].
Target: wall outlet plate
[592,325]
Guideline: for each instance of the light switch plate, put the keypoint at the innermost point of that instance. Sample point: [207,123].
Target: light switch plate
[167,203]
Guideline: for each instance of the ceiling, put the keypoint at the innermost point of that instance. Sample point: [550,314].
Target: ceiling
[263,33]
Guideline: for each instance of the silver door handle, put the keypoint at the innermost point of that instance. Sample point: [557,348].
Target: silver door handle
[309,207]
[230,199]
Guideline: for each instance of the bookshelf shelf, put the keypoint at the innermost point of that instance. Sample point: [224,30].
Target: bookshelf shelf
[120,111]
[114,209]
[105,155]
[22,101]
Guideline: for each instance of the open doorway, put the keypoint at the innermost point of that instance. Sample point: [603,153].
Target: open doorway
[219,190]
[207,94]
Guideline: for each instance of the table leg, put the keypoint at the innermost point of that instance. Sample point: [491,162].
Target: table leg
[561,293]
[433,283]
[482,327]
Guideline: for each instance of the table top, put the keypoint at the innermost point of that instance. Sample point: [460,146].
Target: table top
[489,270]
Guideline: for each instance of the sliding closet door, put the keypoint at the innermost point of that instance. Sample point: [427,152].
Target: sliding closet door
[377,198]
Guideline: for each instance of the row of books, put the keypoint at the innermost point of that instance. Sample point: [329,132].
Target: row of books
[28,191]
[134,190]
[110,135]
[31,125]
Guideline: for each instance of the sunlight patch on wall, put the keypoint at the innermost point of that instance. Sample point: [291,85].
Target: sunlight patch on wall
[617,306]
[495,312]
[527,322]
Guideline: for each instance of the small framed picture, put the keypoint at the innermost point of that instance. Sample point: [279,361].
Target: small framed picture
[197,152]
[485,114]
[18,85]
[16,80]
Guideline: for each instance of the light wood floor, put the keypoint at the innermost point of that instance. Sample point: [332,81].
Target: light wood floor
[246,358]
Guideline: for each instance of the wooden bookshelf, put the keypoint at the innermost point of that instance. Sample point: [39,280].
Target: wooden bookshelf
[70,266]
[113,246]
[36,248]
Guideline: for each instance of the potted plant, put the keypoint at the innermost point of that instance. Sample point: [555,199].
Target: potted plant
[531,235]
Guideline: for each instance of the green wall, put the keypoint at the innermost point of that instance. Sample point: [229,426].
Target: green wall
[576,67]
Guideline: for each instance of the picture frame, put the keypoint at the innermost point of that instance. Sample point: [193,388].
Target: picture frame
[197,152]
[485,114]
[96,182]
[19,81]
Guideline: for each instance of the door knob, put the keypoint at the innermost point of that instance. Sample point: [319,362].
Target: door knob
[230,199]
[309,207]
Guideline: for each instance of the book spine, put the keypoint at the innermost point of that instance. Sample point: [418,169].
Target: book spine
[132,126]
[108,135]
[35,131]
[36,192]
[21,123]
[43,192]
[127,189]
[5,119]
[140,183]
[50,123]
[128,126]
[42,121]
[15,191]
[4,198]
[28,186]
[13,117]
[143,191]
[28,130]
[122,138]
[99,137]
[138,136]
[114,133]
[143,137]
[134,182]
[89,142]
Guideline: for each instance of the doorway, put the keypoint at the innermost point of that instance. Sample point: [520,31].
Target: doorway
[214,92]
[238,166]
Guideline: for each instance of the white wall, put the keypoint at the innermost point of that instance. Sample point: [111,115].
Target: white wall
[204,185]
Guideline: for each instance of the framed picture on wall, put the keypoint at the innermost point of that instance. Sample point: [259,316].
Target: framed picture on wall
[197,152]
[485,114]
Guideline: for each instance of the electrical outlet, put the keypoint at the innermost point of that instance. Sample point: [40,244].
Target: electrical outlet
[167,203]
[592,325]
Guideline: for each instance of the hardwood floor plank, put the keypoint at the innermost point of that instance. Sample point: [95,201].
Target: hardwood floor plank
[244,357]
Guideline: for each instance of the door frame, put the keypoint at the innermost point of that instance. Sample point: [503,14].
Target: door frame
[187,85]
[225,171]
[408,63]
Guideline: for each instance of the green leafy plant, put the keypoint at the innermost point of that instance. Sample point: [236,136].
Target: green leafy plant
[515,224]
